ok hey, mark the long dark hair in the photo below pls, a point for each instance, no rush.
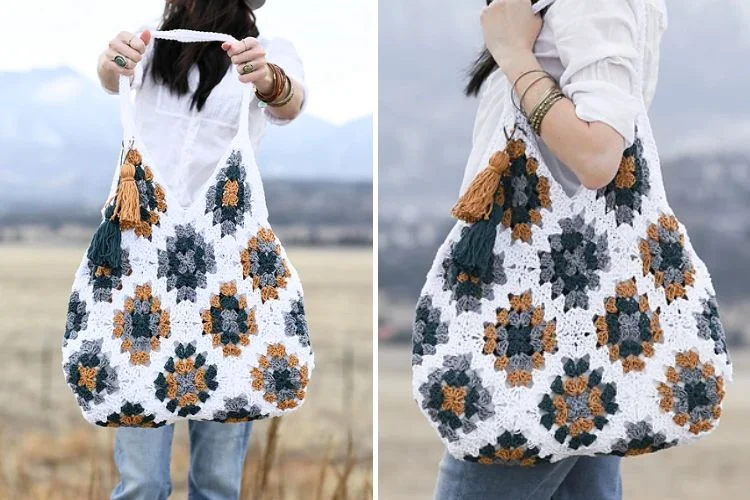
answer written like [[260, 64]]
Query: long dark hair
[[172, 60], [484, 65]]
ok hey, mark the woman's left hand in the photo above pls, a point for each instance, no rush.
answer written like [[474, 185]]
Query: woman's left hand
[[249, 56], [510, 29]]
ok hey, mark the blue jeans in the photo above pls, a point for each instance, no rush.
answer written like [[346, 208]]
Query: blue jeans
[[578, 478], [217, 456]]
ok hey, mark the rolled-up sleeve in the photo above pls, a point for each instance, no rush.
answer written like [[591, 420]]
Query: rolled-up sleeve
[[597, 43], [282, 53]]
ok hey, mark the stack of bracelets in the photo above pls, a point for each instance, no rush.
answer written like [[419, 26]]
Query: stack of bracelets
[[282, 91], [537, 114]]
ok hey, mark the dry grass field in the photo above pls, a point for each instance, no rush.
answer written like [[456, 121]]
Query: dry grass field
[[322, 451], [712, 469]]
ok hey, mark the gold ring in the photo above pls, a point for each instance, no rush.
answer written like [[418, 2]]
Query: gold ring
[[248, 68]]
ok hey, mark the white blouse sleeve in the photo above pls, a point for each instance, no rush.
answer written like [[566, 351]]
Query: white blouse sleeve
[[597, 43], [282, 53]]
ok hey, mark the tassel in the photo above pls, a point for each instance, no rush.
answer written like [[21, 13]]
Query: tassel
[[127, 201], [474, 250], [106, 245], [476, 203]]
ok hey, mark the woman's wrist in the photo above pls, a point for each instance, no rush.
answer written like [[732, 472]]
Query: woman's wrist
[[517, 65], [265, 86]]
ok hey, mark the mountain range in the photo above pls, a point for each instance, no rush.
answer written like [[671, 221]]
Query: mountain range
[[60, 135]]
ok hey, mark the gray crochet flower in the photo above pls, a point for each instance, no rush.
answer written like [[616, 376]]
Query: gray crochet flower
[[467, 289], [104, 280], [624, 195], [229, 198], [90, 375], [238, 409], [295, 322], [640, 439], [455, 399], [186, 262], [428, 330], [710, 327], [574, 261], [77, 318]]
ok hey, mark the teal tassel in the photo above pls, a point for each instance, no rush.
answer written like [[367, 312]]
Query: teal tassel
[[106, 245], [473, 251]]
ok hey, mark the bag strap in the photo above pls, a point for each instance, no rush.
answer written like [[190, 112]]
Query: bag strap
[[127, 109], [540, 5]]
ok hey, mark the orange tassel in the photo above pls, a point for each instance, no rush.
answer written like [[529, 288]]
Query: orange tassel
[[133, 157], [476, 203], [127, 200]]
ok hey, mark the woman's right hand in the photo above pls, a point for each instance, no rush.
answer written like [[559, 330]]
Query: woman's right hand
[[128, 46], [131, 47]]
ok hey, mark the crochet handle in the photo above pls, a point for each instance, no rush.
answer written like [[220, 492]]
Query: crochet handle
[[127, 111], [541, 5]]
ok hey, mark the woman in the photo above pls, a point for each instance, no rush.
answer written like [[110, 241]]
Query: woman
[[188, 101], [589, 49]]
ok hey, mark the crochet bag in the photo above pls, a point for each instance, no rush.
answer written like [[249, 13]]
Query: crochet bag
[[186, 313], [554, 325]]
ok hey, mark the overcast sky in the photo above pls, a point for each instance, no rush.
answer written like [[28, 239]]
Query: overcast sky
[[336, 39]]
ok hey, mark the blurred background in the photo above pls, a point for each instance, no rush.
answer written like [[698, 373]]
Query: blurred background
[[701, 118], [59, 140]]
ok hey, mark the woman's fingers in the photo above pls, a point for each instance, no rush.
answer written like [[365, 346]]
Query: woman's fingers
[[145, 38], [121, 47], [137, 44], [254, 65], [249, 58], [234, 48], [249, 55], [259, 73], [111, 66], [110, 55]]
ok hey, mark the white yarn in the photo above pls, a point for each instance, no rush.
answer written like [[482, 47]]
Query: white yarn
[[450, 334], [279, 320]]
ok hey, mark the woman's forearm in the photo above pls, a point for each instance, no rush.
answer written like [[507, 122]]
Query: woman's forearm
[[592, 150], [291, 109]]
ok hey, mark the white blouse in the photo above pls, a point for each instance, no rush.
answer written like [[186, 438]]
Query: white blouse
[[186, 144], [590, 48]]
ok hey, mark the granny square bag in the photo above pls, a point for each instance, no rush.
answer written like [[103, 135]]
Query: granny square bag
[[553, 325], [186, 313]]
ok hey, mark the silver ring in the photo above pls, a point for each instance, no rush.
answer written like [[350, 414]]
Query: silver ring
[[120, 61], [244, 42]]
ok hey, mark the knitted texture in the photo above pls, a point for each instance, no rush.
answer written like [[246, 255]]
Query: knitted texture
[[590, 328], [204, 319]]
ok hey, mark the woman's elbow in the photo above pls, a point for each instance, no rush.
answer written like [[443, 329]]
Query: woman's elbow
[[598, 170]]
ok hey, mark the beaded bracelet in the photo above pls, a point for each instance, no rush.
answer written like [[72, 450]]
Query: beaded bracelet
[[541, 110], [549, 92]]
